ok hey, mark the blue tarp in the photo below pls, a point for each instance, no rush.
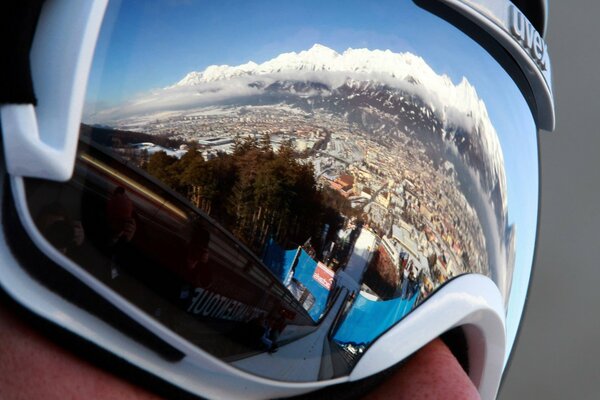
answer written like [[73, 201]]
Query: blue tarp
[[305, 269], [367, 319], [280, 262]]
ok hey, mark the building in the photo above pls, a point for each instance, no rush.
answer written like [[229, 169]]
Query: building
[[343, 184], [406, 237], [215, 141], [366, 193], [384, 198]]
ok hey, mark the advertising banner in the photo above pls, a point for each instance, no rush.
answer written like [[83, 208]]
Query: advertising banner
[[323, 276]]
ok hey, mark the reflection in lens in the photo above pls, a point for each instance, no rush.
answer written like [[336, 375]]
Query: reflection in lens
[[283, 215]]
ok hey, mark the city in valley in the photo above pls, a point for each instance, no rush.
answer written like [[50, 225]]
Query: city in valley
[[320, 197], [422, 225]]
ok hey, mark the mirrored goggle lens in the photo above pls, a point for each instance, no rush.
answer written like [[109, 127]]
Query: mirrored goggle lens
[[281, 184]]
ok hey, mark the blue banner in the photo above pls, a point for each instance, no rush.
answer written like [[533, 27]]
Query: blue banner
[[278, 260], [367, 319], [281, 263], [304, 274]]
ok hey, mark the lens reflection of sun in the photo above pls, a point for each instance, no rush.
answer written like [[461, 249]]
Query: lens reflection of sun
[[133, 185]]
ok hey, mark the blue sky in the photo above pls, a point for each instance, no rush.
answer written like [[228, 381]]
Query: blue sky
[[148, 44], [156, 42]]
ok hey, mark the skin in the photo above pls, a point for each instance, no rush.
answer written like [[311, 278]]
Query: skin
[[432, 373], [32, 367]]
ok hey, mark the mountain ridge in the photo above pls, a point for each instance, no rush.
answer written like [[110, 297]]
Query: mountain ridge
[[308, 79], [456, 104]]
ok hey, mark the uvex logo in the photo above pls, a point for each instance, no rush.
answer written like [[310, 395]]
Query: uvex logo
[[529, 38]]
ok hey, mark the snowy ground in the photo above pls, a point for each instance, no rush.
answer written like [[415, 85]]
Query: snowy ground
[[361, 254], [301, 360], [306, 358]]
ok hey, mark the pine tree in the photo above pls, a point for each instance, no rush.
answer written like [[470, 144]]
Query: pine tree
[[265, 143], [160, 166]]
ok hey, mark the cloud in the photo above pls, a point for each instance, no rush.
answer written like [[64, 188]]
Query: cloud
[[171, 99]]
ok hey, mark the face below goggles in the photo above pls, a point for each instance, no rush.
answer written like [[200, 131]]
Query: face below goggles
[[265, 200]]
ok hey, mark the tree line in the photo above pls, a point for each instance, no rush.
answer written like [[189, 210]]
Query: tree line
[[256, 193], [110, 137]]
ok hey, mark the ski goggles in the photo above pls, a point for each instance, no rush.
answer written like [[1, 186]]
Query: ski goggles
[[265, 199]]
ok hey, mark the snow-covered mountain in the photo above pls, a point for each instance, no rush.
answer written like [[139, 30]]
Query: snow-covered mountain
[[370, 87], [458, 103]]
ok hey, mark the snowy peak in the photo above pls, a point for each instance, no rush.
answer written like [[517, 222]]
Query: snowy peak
[[317, 58], [455, 103], [217, 72], [320, 71]]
